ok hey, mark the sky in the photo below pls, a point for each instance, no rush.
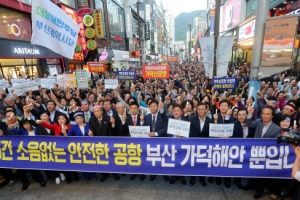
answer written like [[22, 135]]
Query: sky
[[178, 6]]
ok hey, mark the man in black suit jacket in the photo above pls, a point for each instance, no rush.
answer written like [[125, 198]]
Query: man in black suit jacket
[[108, 108], [134, 119], [200, 128], [158, 122], [121, 128], [85, 107]]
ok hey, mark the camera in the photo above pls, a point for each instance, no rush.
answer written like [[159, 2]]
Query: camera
[[289, 137]]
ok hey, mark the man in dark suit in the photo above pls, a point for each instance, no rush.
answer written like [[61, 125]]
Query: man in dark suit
[[158, 122], [121, 128], [134, 119], [108, 108], [101, 125], [264, 128], [223, 117], [200, 128], [85, 108]]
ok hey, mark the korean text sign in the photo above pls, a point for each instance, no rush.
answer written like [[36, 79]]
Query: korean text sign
[[53, 28], [111, 83], [178, 127], [156, 71], [170, 156], [220, 130], [96, 67], [224, 83], [127, 75]]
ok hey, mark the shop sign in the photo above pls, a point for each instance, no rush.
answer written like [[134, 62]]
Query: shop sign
[[96, 67], [103, 56], [91, 45], [155, 71], [83, 4], [98, 25], [231, 14], [71, 12], [89, 33], [88, 20], [80, 14], [247, 30], [147, 31], [172, 59], [128, 23], [26, 51], [147, 12]]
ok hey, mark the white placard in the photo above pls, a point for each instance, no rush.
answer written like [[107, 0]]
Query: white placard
[[48, 83], [19, 80], [178, 127], [82, 79], [220, 130], [3, 83], [111, 83], [21, 88], [53, 28], [139, 131]]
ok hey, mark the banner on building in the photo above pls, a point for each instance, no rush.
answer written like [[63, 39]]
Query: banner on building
[[82, 79], [48, 83], [53, 28], [21, 88], [111, 83], [172, 59], [147, 31], [224, 50], [170, 156], [99, 24], [277, 55], [127, 75], [96, 67], [156, 71], [224, 83], [207, 48], [128, 23]]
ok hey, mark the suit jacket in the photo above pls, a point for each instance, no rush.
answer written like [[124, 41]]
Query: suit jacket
[[41, 130], [71, 115], [129, 120], [272, 132], [161, 123], [120, 129], [113, 110], [195, 127], [106, 127], [23, 131], [238, 131], [221, 121], [76, 131]]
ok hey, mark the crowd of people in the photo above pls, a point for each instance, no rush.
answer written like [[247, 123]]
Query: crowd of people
[[187, 95]]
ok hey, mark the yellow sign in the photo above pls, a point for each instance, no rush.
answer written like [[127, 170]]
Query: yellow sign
[[91, 45], [89, 33], [88, 20], [98, 25]]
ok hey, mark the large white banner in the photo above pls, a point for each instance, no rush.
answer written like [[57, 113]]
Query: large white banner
[[207, 49], [53, 28], [224, 50]]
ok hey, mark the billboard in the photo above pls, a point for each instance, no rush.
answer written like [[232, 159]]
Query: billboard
[[278, 44], [232, 13]]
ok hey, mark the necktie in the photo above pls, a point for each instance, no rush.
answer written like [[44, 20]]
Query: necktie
[[153, 124], [86, 117], [134, 121], [244, 126], [100, 121]]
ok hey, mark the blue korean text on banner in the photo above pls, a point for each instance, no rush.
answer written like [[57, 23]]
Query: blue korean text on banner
[[224, 83], [127, 75], [169, 156]]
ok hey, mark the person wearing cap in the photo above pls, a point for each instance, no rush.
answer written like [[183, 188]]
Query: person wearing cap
[[85, 108], [82, 128]]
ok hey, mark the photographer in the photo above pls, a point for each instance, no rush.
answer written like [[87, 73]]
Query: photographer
[[296, 166]]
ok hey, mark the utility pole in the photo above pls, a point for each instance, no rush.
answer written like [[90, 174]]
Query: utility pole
[[216, 34]]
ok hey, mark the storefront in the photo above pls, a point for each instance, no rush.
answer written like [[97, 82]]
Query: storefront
[[121, 59], [17, 57]]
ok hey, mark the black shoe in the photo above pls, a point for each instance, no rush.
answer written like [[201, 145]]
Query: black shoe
[[132, 177], [24, 187], [247, 187], [173, 179], [68, 180], [142, 177], [152, 177], [76, 178], [257, 195], [117, 177], [166, 178], [103, 178], [211, 179], [227, 184], [182, 180], [43, 184], [203, 182], [192, 180], [218, 181], [123, 174], [238, 185]]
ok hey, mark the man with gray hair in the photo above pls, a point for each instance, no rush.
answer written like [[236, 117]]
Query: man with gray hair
[[15, 103]]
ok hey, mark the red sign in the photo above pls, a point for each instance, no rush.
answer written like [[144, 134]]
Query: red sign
[[96, 67], [156, 71], [71, 12], [172, 59], [81, 12]]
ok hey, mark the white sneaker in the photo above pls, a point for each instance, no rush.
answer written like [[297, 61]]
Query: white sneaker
[[57, 180], [62, 176]]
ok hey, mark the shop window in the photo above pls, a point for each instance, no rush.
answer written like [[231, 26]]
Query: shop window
[[32, 61], [21, 68], [14, 25], [9, 72], [4, 62]]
